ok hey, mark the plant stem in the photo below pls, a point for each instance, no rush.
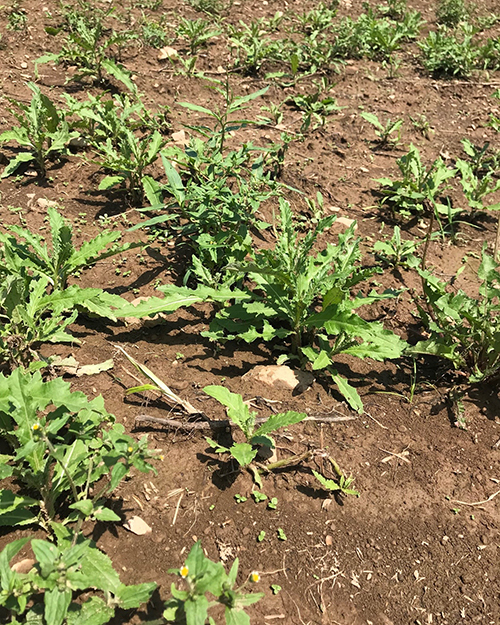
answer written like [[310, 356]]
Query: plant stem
[[497, 241], [286, 462]]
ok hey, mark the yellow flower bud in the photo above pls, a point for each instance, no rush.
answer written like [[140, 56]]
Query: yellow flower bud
[[184, 571]]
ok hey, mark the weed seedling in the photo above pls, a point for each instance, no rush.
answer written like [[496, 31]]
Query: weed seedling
[[342, 485], [464, 330], [451, 12], [396, 251], [451, 54], [258, 496], [239, 413], [384, 133], [61, 260], [197, 33]]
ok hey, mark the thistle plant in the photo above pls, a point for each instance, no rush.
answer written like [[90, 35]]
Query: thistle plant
[[128, 159], [384, 133], [42, 129], [60, 260], [464, 330], [87, 47], [244, 419]]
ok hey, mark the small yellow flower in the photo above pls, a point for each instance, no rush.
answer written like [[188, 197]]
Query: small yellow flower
[[36, 427], [184, 572], [130, 449], [254, 577]]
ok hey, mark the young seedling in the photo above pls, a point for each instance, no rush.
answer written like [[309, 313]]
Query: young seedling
[[252, 46], [342, 485], [315, 107], [476, 188], [396, 251], [451, 54], [258, 496], [128, 159], [384, 133], [239, 413], [197, 33], [463, 329], [418, 187], [222, 116], [87, 48]]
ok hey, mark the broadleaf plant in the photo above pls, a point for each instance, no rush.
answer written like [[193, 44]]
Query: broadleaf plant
[[464, 329], [60, 448], [61, 259], [290, 284], [245, 419], [202, 577], [43, 132], [48, 594]]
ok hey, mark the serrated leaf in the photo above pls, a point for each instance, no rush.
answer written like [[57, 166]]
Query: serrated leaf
[[134, 596], [348, 391], [237, 410], [97, 566], [56, 605], [331, 485], [243, 453], [23, 157], [119, 72], [93, 611], [110, 181], [277, 421]]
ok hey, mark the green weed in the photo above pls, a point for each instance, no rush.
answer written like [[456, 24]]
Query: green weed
[[463, 329], [197, 33], [417, 185], [58, 262], [203, 577], [43, 130], [384, 133], [396, 251], [60, 447], [239, 413], [452, 12], [451, 54], [87, 47], [50, 592]]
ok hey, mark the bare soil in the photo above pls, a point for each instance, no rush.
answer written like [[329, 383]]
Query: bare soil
[[417, 546]]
